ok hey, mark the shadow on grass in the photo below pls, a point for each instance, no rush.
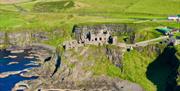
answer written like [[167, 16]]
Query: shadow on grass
[[163, 70]]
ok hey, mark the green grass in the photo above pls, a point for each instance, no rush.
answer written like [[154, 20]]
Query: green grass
[[10, 21], [106, 7], [13, 21], [80, 11], [54, 6], [167, 7], [14, 1], [135, 65], [101, 64]]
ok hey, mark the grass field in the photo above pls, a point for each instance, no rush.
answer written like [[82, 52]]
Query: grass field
[[47, 15], [80, 11]]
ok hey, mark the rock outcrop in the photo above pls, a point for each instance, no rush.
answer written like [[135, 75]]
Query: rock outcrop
[[22, 38], [77, 72], [113, 29], [115, 55]]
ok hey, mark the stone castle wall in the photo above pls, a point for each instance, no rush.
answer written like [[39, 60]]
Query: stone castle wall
[[103, 37]]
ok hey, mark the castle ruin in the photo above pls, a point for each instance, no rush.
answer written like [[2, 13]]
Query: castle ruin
[[100, 38]]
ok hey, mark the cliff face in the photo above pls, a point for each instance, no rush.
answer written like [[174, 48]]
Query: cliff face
[[163, 70], [19, 39], [127, 32], [113, 29], [88, 68], [98, 68], [22, 39], [178, 57], [93, 67], [101, 68], [115, 55]]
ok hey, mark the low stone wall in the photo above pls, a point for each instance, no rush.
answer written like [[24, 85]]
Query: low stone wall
[[75, 44], [71, 44]]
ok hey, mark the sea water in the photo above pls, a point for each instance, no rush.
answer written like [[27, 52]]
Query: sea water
[[20, 63]]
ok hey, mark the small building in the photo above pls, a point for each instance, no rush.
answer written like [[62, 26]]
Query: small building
[[164, 30], [174, 18]]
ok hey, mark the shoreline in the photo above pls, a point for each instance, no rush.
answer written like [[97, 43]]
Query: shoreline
[[9, 73], [35, 55]]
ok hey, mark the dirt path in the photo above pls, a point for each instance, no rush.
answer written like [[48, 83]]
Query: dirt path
[[12, 1], [147, 42]]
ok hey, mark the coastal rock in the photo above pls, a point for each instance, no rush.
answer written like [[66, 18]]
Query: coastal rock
[[115, 56], [111, 84], [17, 51], [29, 57], [73, 74], [1, 37], [113, 29], [22, 39], [13, 63], [12, 56], [21, 86], [6, 74]]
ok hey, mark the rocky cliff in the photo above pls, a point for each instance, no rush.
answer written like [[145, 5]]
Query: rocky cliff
[[178, 57], [23, 38], [100, 68], [126, 32], [94, 67], [87, 68], [113, 29]]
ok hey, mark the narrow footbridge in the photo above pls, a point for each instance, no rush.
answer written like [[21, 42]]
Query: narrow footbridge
[[147, 42]]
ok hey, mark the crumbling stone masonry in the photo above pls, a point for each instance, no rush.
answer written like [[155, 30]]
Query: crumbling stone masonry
[[71, 44], [100, 38]]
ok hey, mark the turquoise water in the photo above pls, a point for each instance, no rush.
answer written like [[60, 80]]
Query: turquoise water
[[6, 84]]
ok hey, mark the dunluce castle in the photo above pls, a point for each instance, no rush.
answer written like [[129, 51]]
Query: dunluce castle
[[99, 38], [100, 35]]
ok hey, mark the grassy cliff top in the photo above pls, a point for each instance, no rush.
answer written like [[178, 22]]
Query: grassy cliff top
[[44, 14], [49, 15]]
